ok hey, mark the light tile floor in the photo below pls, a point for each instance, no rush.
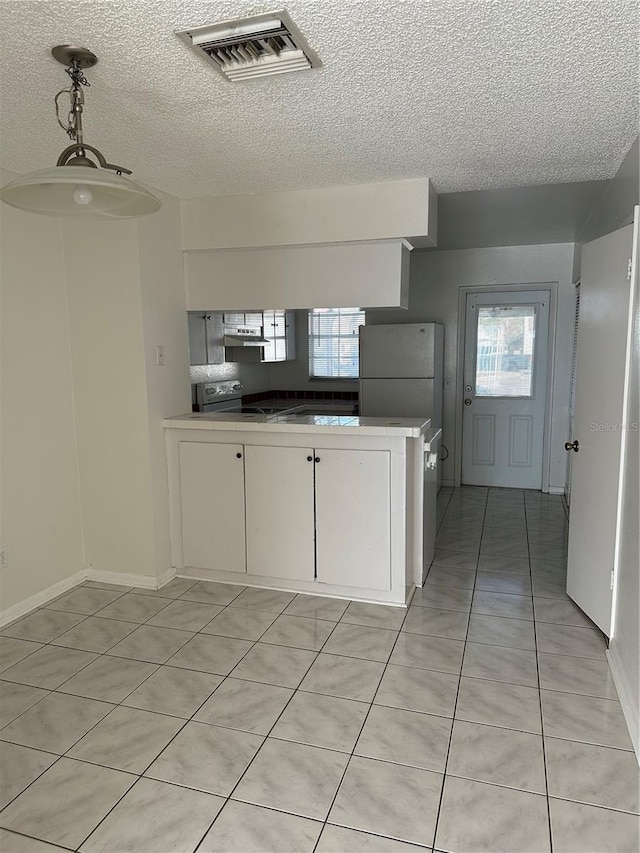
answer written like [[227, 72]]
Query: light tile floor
[[230, 720]]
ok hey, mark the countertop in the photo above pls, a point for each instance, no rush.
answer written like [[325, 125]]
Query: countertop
[[338, 424]]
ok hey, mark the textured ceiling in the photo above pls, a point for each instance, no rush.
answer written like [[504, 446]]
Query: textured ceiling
[[473, 93]]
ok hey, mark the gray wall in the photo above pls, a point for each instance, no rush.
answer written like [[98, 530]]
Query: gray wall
[[433, 296], [615, 207], [294, 375]]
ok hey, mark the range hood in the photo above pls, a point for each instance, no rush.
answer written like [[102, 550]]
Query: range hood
[[244, 336]]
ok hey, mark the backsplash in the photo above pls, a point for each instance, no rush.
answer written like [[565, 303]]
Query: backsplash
[[254, 377], [334, 396]]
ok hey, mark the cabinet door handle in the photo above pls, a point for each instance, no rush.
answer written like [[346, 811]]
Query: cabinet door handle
[[309, 458], [239, 455], [317, 458]]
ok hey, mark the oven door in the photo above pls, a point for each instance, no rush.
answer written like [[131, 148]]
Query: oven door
[[223, 406]]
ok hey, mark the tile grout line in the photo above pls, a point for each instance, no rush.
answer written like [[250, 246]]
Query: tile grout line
[[118, 705], [267, 629], [455, 704], [190, 720], [265, 737], [355, 743], [295, 690], [535, 641]]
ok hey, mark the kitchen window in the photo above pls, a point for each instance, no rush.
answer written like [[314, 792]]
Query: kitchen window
[[333, 342]]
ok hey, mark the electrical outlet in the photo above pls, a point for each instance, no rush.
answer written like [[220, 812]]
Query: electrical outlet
[[160, 356], [4, 557]]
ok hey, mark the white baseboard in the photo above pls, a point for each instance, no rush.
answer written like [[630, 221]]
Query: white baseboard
[[627, 700], [39, 598], [124, 578], [557, 490], [163, 579], [44, 596]]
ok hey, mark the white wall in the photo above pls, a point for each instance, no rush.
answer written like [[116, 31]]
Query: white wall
[[105, 315], [40, 522], [126, 297], [433, 296], [84, 481], [164, 323]]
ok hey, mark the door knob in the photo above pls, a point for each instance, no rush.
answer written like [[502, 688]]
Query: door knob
[[239, 455], [309, 458], [317, 459], [467, 402], [572, 445]]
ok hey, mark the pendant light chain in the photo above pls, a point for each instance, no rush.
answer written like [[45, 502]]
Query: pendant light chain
[[82, 184], [73, 127]]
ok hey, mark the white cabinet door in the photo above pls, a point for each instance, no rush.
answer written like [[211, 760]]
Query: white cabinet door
[[280, 529], [353, 518], [197, 337], [205, 338], [290, 335], [212, 500]]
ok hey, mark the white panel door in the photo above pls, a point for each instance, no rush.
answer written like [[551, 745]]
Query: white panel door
[[505, 380], [280, 526], [353, 520], [212, 502], [597, 426]]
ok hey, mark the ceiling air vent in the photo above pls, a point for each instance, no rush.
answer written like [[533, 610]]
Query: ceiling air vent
[[257, 46]]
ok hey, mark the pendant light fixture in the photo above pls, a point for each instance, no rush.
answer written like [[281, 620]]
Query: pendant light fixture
[[82, 183]]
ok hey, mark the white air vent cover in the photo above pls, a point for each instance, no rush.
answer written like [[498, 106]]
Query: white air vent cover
[[253, 47]]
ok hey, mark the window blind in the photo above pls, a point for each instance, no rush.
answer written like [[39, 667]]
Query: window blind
[[333, 342]]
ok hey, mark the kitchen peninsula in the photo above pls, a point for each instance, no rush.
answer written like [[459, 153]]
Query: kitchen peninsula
[[330, 505]]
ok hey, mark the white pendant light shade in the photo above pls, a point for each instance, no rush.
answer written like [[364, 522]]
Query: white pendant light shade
[[79, 191]]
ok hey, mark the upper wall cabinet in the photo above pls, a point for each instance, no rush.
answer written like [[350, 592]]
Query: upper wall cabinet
[[205, 338], [242, 319], [337, 275], [278, 327]]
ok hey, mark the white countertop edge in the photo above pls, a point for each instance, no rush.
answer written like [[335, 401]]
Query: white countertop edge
[[349, 425]]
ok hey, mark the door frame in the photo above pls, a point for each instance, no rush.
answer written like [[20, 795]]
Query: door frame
[[463, 292]]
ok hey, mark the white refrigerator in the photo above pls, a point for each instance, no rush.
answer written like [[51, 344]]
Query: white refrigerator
[[401, 371]]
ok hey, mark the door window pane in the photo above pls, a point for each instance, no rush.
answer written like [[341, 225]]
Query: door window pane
[[505, 351]]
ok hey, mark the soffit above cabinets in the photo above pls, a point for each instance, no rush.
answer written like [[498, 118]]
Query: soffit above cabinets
[[387, 210], [473, 94], [374, 274]]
